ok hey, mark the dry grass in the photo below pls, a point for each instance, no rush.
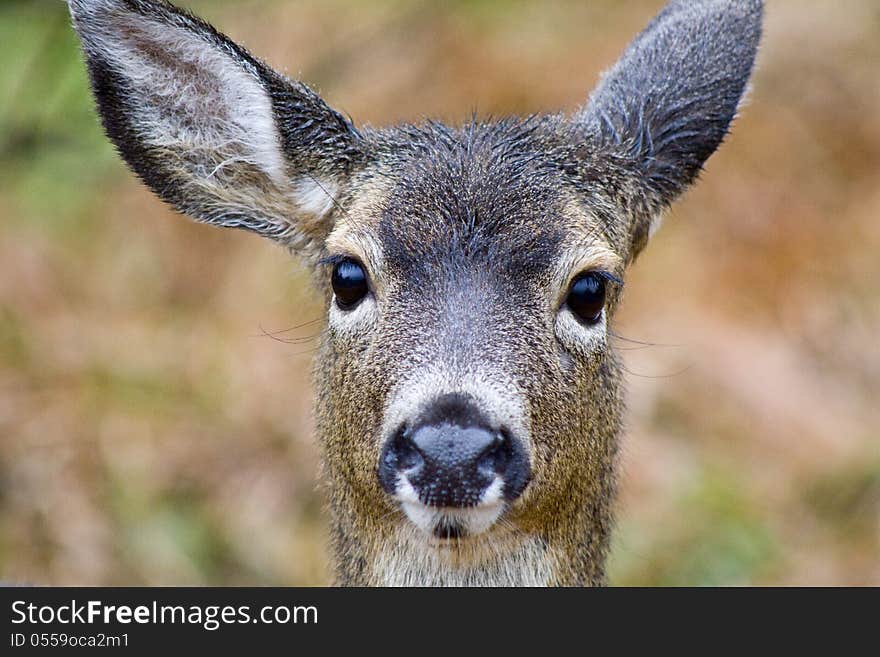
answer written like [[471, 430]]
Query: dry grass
[[149, 434]]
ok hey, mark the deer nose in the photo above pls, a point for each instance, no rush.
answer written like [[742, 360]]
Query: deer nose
[[455, 461]]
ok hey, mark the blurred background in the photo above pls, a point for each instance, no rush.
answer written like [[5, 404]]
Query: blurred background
[[150, 433]]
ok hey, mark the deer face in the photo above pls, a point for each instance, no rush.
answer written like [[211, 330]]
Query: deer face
[[465, 383], [469, 298]]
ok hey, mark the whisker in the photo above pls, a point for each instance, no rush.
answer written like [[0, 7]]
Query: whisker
[[638, 347], [292, 328], [274, 336], [642, 342]]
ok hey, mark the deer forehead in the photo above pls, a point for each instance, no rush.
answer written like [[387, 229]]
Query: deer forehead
[[450, 209]]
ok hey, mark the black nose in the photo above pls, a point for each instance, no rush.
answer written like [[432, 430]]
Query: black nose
[[451, 456]]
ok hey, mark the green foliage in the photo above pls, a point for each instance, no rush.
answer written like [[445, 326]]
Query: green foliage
[[53, 155], [717, 536]]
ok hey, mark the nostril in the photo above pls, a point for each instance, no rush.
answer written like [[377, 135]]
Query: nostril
[[496, 455], [400, 455], [403, 454]]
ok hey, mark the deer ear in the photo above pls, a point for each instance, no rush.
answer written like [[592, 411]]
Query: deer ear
[[666, 105], [209, 128]]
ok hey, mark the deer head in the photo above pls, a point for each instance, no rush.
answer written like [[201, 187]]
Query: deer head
[[468, 400]]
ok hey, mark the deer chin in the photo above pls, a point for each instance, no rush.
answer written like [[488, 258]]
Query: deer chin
[[451, 524], [446, 525]]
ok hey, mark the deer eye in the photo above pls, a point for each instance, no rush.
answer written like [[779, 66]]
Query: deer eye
[[349, 283], [586, 296]]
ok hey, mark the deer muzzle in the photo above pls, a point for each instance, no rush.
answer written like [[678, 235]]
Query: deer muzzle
[[453, 471]]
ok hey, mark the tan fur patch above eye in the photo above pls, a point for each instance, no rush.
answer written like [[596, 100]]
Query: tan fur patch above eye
[[597, 256], [589, 251], [354, 231]]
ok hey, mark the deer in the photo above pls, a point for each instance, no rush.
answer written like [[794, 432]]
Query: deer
[[469, 402]]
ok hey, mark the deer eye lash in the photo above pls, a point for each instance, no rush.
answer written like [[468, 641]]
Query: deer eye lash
[[608, 276], [334, 259]]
